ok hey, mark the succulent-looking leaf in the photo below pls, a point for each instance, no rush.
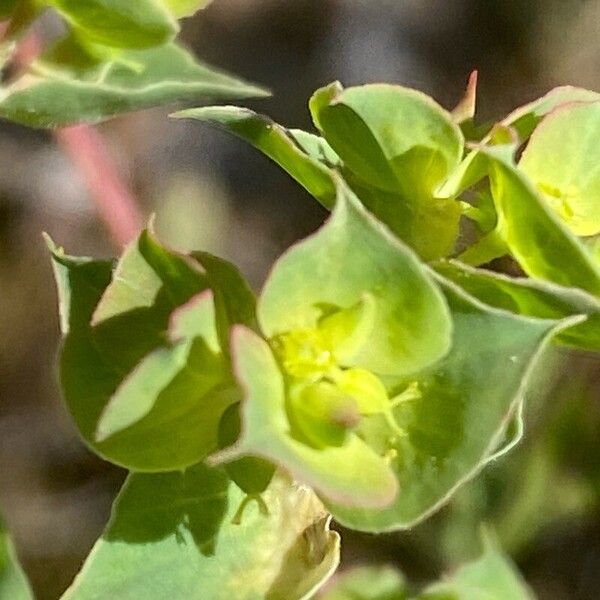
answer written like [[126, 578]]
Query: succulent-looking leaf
[[185, 8], [491, 577], [13, 582], [535, 236], [171, 536], [562, 159], [367, 583], [330, 470], [278, 143], [393, 138], [139, 24], [145, 379], [532, 298], [353, 254], [460, 416], [68, 85]]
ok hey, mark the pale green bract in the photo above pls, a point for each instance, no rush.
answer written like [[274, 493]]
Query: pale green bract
[[172, 535], [150, 343], [532, 231], [562, 159], [533, 298]]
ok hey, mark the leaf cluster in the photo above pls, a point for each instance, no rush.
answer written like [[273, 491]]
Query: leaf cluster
[[379, 368], [114, 57]]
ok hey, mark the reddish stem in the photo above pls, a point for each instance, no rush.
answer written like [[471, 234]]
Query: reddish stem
[[114, 201], [87, 149]]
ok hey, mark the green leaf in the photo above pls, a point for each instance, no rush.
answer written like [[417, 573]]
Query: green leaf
[[278, 143], [368, 583], [67, 85], [146, 270], [168, 408], [562, 160], [523, 122], [459, 418], [526, 118], [532, 298], [430, 226], [172, 536], [542, 244], [332, 471], [139, 24], [350, 256], [491, 577], [393, 138], [185, 8], [142, 371], [13, 582]]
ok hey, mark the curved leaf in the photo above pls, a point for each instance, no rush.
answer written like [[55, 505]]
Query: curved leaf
[[67, 85], [536, 237], [351, 255], [532, 298], [276, 142], [139, 24], [393, 138], [465, 405], [523, 122], [526, 118], [172, 536], [167, 410], [562, 159], [142, 370]]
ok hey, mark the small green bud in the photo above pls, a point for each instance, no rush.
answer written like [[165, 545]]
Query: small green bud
[[322, 413]]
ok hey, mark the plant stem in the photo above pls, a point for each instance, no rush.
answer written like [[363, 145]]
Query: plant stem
[[116, 206], [114, 201]]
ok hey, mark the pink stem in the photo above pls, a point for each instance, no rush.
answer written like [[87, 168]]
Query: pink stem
[[114, 201], [87, 150]]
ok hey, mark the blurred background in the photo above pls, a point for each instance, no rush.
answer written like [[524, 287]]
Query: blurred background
[[213, 192]]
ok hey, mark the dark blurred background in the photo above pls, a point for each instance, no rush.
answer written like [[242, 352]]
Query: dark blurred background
[[213, 192]]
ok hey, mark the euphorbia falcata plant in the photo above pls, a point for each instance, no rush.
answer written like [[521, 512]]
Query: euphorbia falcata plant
[[379, 368]]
